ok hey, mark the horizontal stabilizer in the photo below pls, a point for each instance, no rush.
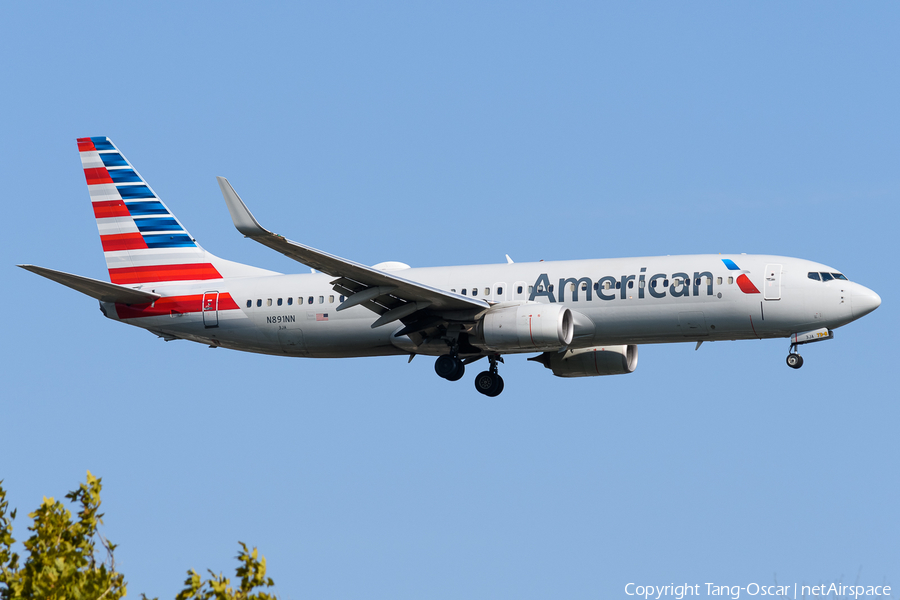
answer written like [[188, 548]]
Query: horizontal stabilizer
[[101, 290]]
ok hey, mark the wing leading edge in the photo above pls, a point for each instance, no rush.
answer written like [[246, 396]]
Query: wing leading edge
[[392, 297]]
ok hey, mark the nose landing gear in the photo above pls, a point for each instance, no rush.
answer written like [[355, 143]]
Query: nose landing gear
[[794, 360]]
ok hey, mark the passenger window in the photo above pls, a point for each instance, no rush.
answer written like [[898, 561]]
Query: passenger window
[[279, 302], [827, 277], [487, 291], [342, 297], [618, 285], [474, 291], [551, 287], [249, 303], [300, 300], [530, 289], [698, 281], [259, 302], [665, 283], [719, 280], [331, 299], [839, 276], [571, 287], [730, 280], [519, 290], [499, 291], [290, 301], [584, 287], [630, 285], [541, 288], [269, 302], [813, 275], [310, 301], [606, 285], [464, 291], [641, 284], [653, 283], [321, 299], [453, 290]]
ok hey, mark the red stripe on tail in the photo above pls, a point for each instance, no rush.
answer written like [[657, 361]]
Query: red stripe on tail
[[85, 144], [188, 272], [97, 175], [123, 241], [110, 208]]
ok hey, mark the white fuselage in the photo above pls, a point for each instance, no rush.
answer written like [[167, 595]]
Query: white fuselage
[[615, 301]]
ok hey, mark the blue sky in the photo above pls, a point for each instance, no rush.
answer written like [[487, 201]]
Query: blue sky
[[453, 133]]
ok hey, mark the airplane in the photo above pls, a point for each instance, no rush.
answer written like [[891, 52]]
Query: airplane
[[582, 318]]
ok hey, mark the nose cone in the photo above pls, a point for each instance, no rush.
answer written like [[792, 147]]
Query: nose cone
[[863, 301]]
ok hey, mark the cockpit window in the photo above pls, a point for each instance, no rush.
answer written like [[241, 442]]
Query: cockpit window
[[827, 277], [839, 276], [813, 275]]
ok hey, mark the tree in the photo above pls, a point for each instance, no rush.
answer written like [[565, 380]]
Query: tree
[[62, 561]]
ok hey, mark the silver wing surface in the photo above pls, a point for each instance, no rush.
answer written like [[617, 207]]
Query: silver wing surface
[[392, 297]]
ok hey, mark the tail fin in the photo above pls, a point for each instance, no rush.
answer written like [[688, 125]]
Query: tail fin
[[142, 240]]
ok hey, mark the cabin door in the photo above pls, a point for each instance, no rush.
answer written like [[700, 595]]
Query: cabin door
[[773, 282], [210, 309]]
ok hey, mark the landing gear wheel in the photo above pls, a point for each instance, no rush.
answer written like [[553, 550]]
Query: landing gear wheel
[[449, 367], [794, 361], [460, 371], [489, 384]]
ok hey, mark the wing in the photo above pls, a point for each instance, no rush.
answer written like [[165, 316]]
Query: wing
[[101, 290], [392, 297]]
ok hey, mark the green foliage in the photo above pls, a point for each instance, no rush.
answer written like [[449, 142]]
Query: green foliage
[[252, 573], [61, 561]]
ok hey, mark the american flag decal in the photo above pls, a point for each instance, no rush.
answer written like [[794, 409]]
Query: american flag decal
[[321, 316]]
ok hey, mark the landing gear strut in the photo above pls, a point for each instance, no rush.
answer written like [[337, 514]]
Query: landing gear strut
[[489, 382], [794, 360]]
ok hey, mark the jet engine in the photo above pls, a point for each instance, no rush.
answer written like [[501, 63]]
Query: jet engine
[[591, 362], [525, 327]]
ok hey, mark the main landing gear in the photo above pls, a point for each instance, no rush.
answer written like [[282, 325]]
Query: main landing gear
[[794, 360], [489, 382], [452, 368]]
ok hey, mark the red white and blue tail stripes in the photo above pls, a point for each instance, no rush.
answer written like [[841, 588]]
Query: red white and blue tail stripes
[[142, 240]]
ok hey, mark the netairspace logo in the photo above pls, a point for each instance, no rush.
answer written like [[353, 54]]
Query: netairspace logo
[[833, 590]]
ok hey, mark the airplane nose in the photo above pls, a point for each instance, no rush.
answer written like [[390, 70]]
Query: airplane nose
[[863, 301]]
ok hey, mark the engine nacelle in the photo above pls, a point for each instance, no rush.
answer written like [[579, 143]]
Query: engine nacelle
[[526, 328], [591, 362]]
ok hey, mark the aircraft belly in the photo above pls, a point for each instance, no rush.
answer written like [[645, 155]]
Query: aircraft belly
[[679, 321]]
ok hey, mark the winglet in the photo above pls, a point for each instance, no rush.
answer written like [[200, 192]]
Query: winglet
[[240, 214]]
